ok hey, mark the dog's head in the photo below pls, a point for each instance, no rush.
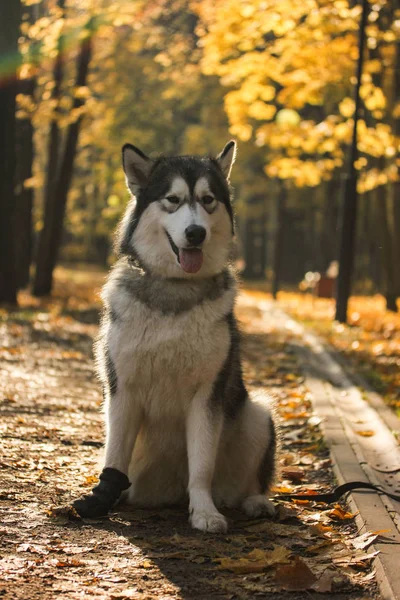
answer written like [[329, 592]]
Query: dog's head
[[179, 222]]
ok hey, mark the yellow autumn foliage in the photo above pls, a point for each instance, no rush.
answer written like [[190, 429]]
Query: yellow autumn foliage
[[275, 55]]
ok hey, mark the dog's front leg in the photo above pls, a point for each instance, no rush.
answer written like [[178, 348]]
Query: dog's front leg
[[122, 427], [203, 432]]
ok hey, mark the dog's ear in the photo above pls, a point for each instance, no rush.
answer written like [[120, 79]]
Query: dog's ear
[[227, 158], [137, 167]]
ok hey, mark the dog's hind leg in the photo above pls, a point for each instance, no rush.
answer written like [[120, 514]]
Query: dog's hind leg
[[246, 460], [256, 503], [203, 432]]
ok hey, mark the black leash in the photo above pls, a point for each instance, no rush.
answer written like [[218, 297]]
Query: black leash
[[337, 493]]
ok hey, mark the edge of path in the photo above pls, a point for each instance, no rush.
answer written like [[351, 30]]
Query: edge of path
[[361, 443]]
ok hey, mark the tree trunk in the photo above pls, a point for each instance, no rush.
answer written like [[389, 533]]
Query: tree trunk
[[387, 248], [53, 151], [24, 196], [396, 185], [51, 234], [349, 207], [9, 34], [25, 153], [279, 241]]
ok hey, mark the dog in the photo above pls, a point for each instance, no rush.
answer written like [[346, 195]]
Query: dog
[[180, 424]]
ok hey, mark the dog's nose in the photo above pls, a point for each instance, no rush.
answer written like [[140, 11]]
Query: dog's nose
[[195, 234]]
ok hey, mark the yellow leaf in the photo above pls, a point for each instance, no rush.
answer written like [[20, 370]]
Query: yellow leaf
[[339, 513], [256, 561], [347, 107]]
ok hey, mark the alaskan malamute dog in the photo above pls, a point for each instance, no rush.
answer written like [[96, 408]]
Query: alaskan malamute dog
[[180, 425]]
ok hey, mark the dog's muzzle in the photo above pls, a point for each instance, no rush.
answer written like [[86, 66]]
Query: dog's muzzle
[[190, 259]]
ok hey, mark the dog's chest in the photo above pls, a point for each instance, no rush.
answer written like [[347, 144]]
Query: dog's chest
[[166, 358]]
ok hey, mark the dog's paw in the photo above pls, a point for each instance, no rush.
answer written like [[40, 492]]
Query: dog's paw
[[91, 506], [213, 522], [104, 495], [258, 505]]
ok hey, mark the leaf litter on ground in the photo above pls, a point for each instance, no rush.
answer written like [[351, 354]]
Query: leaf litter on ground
[[53, 434], [370, 342]]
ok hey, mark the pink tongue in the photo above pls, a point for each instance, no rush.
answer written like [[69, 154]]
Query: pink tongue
[[191, 260]]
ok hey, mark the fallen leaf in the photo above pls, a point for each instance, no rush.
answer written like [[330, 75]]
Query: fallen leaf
[[133, 593], [314, 421], [146, 564], [295, 434], [358, 559], [91, 480], [321, 529], [307, 459], [33, 548], [63, 513], [256, 561], [296, 576], [293, 474], [340, 514], [281, 489], [324, 583], [62, 564], [76, 549], [300, 415], [363, 541], [366, 433]]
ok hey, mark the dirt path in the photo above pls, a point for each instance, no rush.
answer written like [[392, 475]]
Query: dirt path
[[52, 435]]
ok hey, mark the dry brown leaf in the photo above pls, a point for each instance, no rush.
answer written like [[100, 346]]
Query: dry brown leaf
[[293, 474], [63, 513], [357, 559], [296, 576], [76, 549], [321, 529], [133, 593], [32, 548], [324, 583], [62, 564]]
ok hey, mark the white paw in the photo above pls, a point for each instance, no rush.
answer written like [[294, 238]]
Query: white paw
[[255, 506], [213, 522]]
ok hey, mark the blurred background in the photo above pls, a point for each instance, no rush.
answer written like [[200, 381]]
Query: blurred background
[[83, 77]]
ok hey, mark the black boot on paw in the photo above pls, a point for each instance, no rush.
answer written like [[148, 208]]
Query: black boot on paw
[[103, 497]]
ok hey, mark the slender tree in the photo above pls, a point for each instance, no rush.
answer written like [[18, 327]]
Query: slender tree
[[58, 187], [25, 153], [9, 33], [279, 240], [349, 211]]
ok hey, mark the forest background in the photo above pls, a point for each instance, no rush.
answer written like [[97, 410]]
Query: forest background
[[183, 76]]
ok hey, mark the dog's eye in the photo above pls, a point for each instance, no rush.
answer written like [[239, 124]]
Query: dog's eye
[[208, 199], [173, 199]]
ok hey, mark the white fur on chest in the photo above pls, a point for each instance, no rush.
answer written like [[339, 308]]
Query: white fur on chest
[[164, 359]]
